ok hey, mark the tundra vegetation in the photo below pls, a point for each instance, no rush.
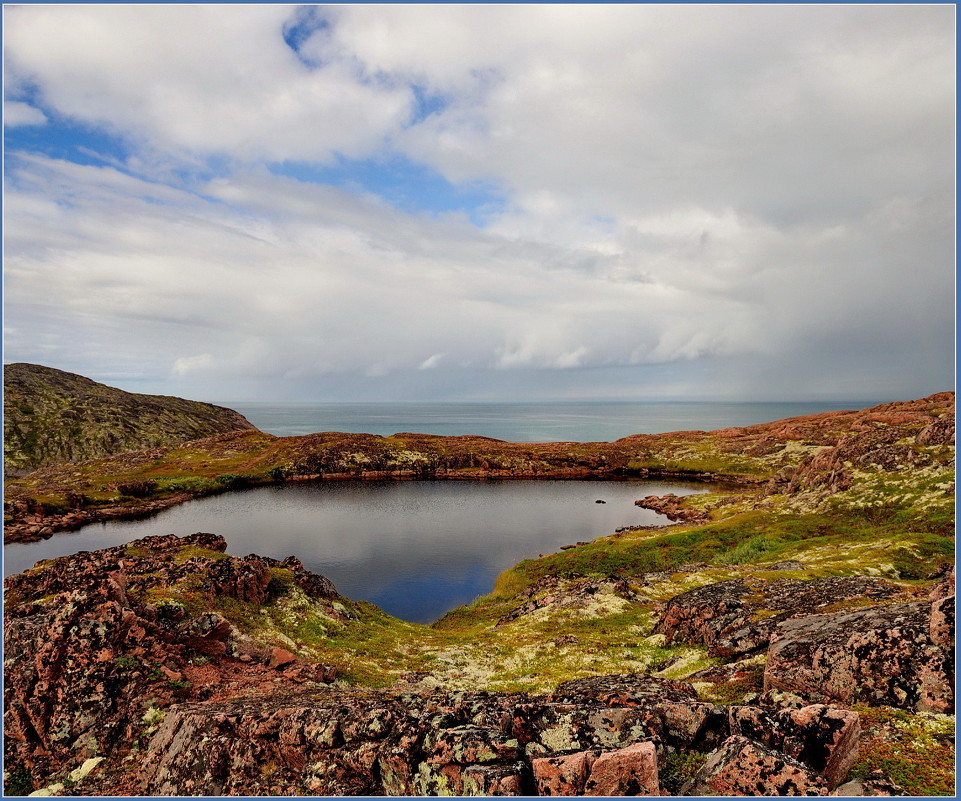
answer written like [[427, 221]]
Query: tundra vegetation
[[848, 516]]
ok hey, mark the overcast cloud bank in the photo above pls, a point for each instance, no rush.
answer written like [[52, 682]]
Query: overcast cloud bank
[[735, 202]]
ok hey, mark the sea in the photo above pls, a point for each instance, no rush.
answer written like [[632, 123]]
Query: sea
[[556, 421]]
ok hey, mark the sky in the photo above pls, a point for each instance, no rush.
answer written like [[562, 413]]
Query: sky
[[483, 202]]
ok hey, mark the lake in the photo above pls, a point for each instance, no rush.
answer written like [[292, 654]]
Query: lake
[[415, 548]]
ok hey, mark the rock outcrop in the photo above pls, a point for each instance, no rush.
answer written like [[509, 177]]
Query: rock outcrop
[[736, 618], [102, 660], [882, 655], [92, 642], [601, 736], [671, 506]]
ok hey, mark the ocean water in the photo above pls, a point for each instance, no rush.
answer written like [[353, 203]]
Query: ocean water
[[522, 422], [417, 549]]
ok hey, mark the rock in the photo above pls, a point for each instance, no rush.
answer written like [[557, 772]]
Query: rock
[[939, 432], [280, 658], [85, 650], [563, 775], [735, 618], [875, 783], [627, 771], [671, 507], [495, 780], [787, 564], [824, 739], [882, 655], [565, 593], [744, 767]]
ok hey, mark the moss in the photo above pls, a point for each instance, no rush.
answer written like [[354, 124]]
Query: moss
[[195, 551], [17, 781], [748, 680], [915, 751], [677, 768]]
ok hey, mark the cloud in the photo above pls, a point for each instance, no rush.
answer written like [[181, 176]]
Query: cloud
[[430, 362], [16, 114], [198, 80], [192, 364], [761, 196]]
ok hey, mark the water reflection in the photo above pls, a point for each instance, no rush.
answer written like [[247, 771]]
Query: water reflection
[[416, 549]]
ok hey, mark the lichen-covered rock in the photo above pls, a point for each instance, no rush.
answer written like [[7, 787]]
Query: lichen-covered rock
[[882, 655], [627, 771], [89, 644], [746, 767], [672, 507], [563, 775], [875, 783], [736, 618], [572, 592], [823, 738]]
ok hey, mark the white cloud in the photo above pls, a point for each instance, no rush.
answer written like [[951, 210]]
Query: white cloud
[[16, 114], [431, 362], [192, 364], [198, 79], [770, 185]]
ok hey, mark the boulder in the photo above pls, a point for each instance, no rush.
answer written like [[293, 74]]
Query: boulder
[[823, 738], [745, 767], [882, 655], [626, 771], [736, 618]]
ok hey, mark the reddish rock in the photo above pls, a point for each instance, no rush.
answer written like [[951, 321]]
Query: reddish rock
[[87, 652], [280, 657], [495, 780], [725, 618], [563, 775], [671, 507], [882, 655], [823, 738], [627, 771], [745, 767]]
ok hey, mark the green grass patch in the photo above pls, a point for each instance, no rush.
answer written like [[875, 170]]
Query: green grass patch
[[915, 751]]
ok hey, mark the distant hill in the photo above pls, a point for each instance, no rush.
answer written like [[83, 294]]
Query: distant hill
[[51, 416]]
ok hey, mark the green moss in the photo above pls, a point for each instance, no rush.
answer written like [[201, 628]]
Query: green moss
[[17, 781], [915, 751], [195, 551], [678, 767]]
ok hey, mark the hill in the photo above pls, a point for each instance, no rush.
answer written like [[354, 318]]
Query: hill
[[52, 416]]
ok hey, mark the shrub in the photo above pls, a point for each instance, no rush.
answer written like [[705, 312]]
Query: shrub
[[233, 480], [137, 489]]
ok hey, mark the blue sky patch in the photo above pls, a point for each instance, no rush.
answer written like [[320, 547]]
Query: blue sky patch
[[405, 185], [62, 138], [307, 21], [427, 103]]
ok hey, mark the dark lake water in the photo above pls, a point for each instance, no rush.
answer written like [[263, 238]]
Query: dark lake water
[[415, 548]]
